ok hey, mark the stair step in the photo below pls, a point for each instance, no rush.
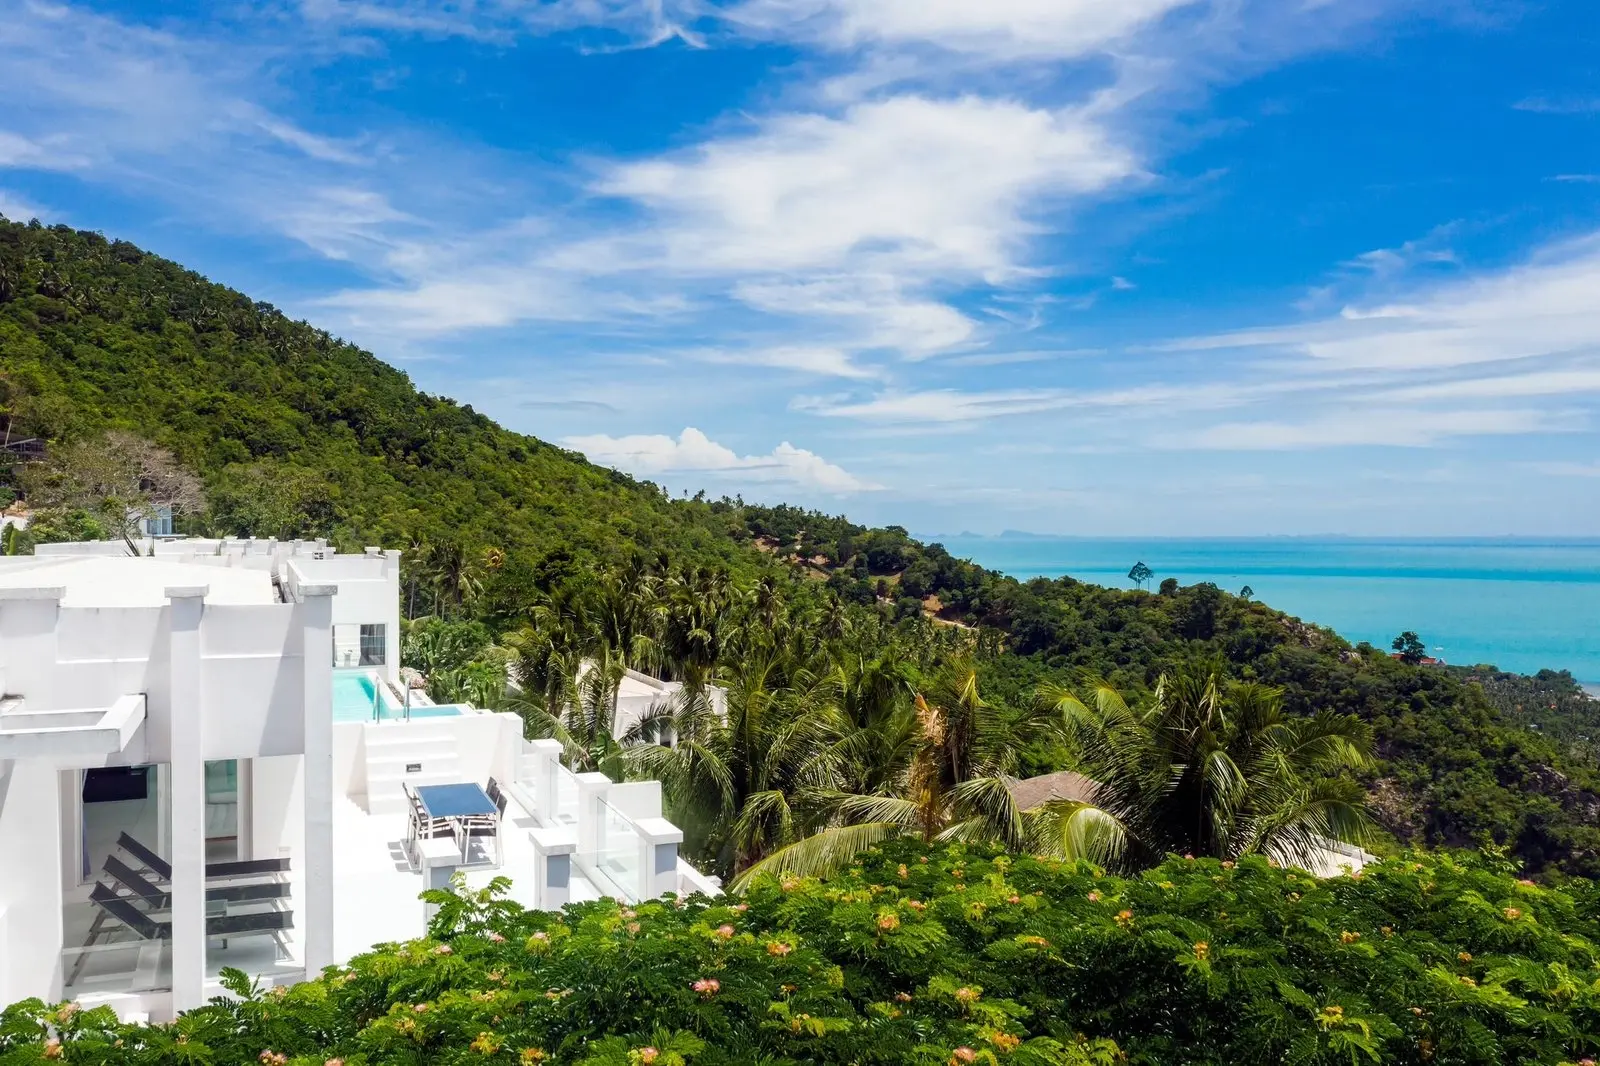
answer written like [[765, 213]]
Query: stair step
[[438, 768], [380, 739]]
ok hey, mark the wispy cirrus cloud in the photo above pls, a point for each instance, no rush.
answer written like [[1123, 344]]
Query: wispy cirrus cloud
[[1367, 427], [997, 29], [1560, 105], [692, 452]]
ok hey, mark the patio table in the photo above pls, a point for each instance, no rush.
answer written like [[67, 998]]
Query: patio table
[[456, 803]]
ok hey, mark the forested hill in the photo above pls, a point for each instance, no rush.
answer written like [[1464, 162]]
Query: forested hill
[[298, 433], [294, 430]]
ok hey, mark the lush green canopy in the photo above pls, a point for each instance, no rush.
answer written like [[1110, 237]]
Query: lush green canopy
[[939, 956]]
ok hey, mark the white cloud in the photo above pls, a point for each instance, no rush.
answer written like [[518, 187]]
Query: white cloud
[[882, 314], [1365, 427], [1560, 105], [1564, 382], [925, 185], [1002, 29], [1568, 469], [822, 361], [1541, 307], [643, 22], [18, 209], [693, 452], [19, 151]]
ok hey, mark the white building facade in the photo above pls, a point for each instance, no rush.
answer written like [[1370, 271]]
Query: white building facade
[[203, 761]]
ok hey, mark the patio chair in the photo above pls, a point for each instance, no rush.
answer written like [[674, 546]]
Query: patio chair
[[484, 827], [421, 827]]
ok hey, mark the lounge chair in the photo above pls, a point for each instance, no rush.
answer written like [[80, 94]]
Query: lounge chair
[[121, 912], [161, 899], [161, 870]]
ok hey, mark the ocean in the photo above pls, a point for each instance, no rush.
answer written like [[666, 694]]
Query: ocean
[[1521, 604]]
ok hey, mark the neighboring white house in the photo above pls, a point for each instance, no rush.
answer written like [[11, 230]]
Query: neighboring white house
[[202, 753]]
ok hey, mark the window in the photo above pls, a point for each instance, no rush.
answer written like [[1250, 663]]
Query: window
[[373, 645]]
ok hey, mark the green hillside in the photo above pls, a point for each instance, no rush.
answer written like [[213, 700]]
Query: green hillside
[[296, 432]]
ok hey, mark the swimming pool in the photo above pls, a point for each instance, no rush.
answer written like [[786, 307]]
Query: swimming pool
[[356, 693]]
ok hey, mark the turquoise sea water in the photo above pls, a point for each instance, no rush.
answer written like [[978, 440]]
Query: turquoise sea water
[[1520, 604]]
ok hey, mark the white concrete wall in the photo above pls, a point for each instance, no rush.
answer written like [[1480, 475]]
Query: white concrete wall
[[636, 799], [349, 759], [253, 680], [277, 818], [30, 882], [487, 745], [369, 594]]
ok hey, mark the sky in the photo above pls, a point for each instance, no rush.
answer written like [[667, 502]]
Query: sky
[[1095, 267]]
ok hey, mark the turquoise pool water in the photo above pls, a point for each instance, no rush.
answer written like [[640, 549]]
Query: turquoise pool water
[[354, 696]]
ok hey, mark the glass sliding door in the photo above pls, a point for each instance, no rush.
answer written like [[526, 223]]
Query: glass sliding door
[[222, 810]]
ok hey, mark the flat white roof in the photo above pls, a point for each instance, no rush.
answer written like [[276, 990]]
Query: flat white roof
[[108, 581]]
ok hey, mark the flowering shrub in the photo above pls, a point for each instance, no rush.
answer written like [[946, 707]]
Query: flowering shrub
[[1425, 959]]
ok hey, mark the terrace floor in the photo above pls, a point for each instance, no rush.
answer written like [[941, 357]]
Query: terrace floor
[[376, 900]]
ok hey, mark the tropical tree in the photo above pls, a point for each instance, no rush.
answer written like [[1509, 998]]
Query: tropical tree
[[1203, 768], [951, 781], [1140, 573], [455, 573], [584, 720], [1410, 648], [743, 755], [120, 479]]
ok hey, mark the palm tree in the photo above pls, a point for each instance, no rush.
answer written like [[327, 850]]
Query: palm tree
[[960, 755], [741, 759], [455, 572], [1204, 768], [584, 720]]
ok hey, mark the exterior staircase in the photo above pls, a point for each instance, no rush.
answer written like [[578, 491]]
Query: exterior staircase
[[417, 752]]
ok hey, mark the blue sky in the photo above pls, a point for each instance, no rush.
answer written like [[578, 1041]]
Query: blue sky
[[1074, 266]]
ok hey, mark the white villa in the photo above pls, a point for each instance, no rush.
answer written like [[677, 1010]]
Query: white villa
[[206, 760]]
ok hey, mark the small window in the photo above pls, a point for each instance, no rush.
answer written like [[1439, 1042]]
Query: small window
[[373, 645]]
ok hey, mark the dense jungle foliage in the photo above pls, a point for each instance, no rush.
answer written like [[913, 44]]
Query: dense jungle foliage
[[936, 956], [532, 549]]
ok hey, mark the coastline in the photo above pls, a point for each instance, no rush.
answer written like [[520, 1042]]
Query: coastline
[[1522, 604]]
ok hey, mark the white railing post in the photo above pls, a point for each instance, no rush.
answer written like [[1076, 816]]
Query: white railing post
[[552, 869], [592, 789], [659, 863], [546, 760]]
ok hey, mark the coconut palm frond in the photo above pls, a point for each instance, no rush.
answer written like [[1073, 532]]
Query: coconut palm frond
[[821, 853]]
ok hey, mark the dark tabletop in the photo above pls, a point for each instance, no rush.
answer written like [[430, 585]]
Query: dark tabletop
[[455, 801]]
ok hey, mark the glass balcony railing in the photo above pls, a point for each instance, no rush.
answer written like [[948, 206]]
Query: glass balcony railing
[[565, 797], [617, 863]]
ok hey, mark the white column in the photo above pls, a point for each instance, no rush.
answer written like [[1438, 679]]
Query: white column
[[187, 789], [316, 908], [391, 632], [660, 859]]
